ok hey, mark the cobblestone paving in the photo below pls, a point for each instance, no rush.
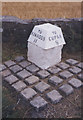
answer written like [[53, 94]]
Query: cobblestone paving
[[42, 87]]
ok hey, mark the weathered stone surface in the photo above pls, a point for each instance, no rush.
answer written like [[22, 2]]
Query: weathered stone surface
[[54, 96], [80, 76], [71, 61], [63, 65], [23, 74], [24, 63], [28, 93], [42, 86], [32, 68], [15, 68], [11, 79], [9, 63], [80, 65], [55, 80], [65, 74], [75, 70], [2, 67], [43, 74], [75, 83], [32, 79], [18, 86], [38, 103], [6, 73], [66, 89], [54, 70], [19, 58]]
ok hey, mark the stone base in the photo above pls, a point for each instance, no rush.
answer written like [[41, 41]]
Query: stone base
[[44, 58]]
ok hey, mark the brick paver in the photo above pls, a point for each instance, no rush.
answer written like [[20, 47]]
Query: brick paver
[[28, 93], [23, 74], [19, 58], [43, 74], [80, 65], [9, 63], [15, 68], [2, 67], [42, 86], [32, 68], [54, 96], [80, 76], [32, 79], [54, 70], [38, 103], [24, 64], [65, 74], [75, 83], [63, 65], [11, 79], [66, 89], [55, 80], [75, 70], [71, 61], [6, 73]]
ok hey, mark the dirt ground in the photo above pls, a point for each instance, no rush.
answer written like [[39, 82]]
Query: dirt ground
[[14, 107]]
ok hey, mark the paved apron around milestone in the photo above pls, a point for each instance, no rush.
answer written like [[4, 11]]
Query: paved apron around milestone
[[42, 87]]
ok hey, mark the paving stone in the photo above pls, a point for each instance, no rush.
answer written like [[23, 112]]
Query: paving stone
[[42, 86], [55, 80], [11, 79], [43, 74], [2, 67], [18, 86], [63, 65], [54, 96], [71, 61], [54, 70], [38, 103], [75, 83], [9, 63], [80, 76], [65, 74], [66, 89], [23, 74], [28, 93], [32, 68], [24, 64], [19, 58], [32, 79], [80, 65], [75, 70], [6, 73], [15, 68]]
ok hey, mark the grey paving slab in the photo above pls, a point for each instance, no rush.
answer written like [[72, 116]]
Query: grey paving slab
[[72, 61], [65, 74], [23, 74], [38, 103], [2, 67], [63, 65], [41, 86], [54, 96], [80, 65], [80, 76], [32, 79], [28, 93], [75, 83], [11, 79], [55, 80], [54, 70], [32, 68], [43, 74], [9, 63], [24, 64], [66, 89], [19, 86], [75, 70], [15, 68], [6, 73], [19, 58]]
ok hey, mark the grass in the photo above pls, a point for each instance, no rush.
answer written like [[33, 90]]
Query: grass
[[29, 10]]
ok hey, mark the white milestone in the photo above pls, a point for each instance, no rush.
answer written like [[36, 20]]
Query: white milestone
[[45, 45]]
